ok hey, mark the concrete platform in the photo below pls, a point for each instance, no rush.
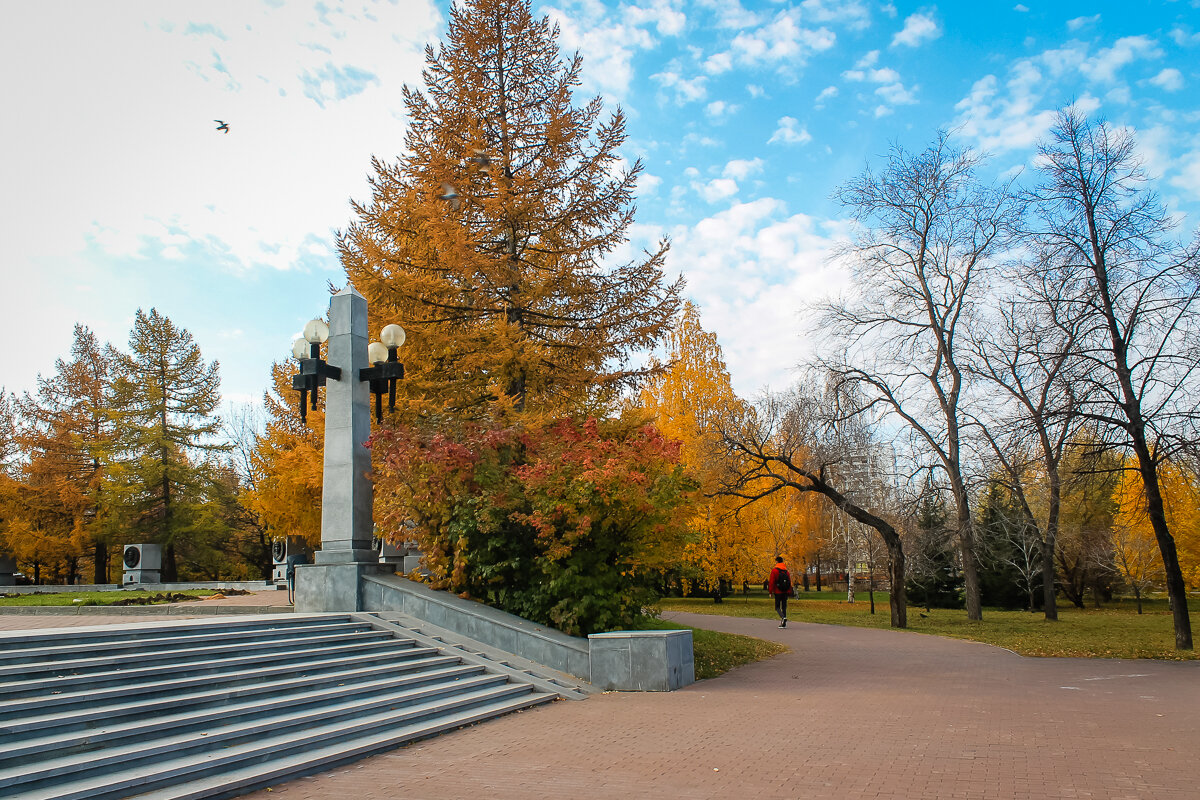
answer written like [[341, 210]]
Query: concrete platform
[[850, 713]]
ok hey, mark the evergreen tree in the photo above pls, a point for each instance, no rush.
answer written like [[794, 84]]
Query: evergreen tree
[[934, 580], [492, 239], [165, 400], [1009, 553], [66, 434]]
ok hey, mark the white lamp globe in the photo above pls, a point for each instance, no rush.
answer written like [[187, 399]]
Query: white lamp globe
[[377, 352], [392, 335], [300, 348], [316, 331]]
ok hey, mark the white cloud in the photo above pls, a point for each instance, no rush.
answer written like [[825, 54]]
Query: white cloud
[[1082, 22], [918, 28], [790, 132], [146, 169], [718, 63], [665, 15], [890, 89], [730, 14], [755, 90], [895, 94], [1110, 60], [854, 14], [1184, 36], [1014, 114], [1022, 8], [828, 93], [781, 40], [686, 90], [1188, 176], [608, 42], [752, 268], [1169, 79], [648, 184], [741, 168], [718, 189], [719, 109]]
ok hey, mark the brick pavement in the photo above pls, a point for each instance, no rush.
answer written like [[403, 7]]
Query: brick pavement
[[850, 713]]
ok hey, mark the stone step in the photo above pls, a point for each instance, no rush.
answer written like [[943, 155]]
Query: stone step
[[212, 652], [68, 653], [119, 713], [313, 744], [16, 640], [183, 711], [57, 694], [46, 685], [176, 733]]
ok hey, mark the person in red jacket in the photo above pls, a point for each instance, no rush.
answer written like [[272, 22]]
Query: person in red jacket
[[780, 586]]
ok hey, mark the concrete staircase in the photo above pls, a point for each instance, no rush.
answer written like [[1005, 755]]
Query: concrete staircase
[[216, 708]]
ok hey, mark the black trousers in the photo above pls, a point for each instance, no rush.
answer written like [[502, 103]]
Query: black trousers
[[781, 605]]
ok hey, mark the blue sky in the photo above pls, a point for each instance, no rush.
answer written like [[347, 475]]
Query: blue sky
[[118, 192]]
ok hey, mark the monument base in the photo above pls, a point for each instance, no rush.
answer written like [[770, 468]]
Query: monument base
[[325, 588]]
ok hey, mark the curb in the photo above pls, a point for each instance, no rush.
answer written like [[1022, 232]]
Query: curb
[[134, 611]]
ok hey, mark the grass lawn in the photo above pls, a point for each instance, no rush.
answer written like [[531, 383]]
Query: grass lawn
[[1115, 631], [716, 653], [101, 598]]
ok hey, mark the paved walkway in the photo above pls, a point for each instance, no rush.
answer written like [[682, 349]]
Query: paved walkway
[[272, 598], [850, 713]]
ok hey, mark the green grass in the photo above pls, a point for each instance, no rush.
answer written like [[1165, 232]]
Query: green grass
[[717, 653], [98, 598], [1115, 631]]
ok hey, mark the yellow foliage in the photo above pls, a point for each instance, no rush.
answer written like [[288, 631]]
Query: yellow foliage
[[287, 498], [1133, 536]]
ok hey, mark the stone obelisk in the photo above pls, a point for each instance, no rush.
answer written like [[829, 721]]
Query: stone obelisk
[[332, 583]]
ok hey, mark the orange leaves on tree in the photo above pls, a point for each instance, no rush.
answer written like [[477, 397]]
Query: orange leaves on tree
[[561, 523]]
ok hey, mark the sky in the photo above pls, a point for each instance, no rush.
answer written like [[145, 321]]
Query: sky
[[119, 193]]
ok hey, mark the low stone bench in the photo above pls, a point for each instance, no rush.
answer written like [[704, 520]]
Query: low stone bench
[[642, 661]]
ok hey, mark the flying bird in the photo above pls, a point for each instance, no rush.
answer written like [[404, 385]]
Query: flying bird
[[481, 161], [222, 126], [450, 195]]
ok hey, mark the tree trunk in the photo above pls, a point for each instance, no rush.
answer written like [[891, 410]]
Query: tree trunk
[[966, 541], [1049, 595], [99, 562], [1176, 589]]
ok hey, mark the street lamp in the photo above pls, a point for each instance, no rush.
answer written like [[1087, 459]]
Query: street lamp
[[387, 368], [314, 372]]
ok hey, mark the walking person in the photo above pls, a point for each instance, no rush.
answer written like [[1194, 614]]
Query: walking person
[[779, 584]]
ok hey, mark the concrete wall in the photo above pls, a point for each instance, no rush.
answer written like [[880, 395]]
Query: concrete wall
[[491, 626], [632, 661], [642, 661]]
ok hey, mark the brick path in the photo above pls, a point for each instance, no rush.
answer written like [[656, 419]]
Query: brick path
[[850, 713]]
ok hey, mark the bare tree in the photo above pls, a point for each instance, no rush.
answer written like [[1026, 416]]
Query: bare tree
[[1106, 238], [929, 231], [791, 443], [1029, 350]]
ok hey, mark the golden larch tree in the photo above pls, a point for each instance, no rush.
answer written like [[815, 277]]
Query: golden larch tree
[[495, 238]]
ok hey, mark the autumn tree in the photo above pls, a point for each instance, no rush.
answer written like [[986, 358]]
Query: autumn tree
[[689, 400], [286, 465], [562, 524], [928, 230], [1105, 237], [165, 400], [795, 443], [66, 433], [495, 238]]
